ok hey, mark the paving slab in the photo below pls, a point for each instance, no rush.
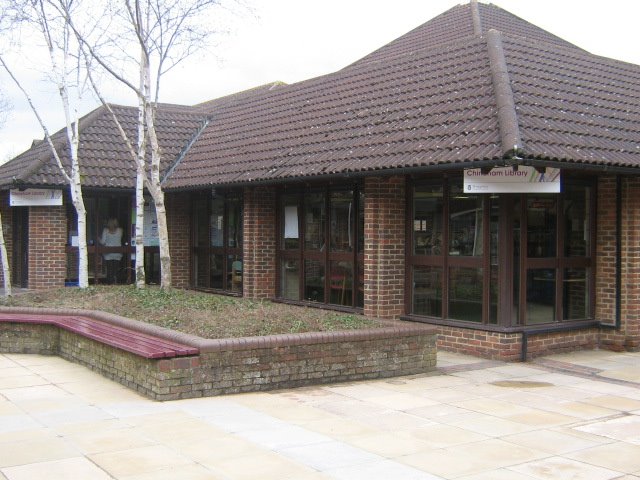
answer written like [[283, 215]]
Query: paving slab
[[567, 416]]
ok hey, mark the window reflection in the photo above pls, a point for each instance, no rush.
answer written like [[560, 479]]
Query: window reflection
[[427, 291], [575, 296], [427, 220], [313, 281], [290, 279], [342, 234], [465, 294], [541, 295], [576, 221], [465, 223], [541, 226], [314, 218]]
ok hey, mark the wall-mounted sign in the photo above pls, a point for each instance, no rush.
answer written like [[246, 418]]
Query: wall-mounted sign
[[35, 197], [508, 180]]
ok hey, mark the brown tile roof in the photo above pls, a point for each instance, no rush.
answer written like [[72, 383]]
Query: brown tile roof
[[104, 158], [458, 23], [443, 94], [375, 116], [462, 89]]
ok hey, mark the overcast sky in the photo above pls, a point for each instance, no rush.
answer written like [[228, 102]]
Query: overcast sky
[[293, 40]]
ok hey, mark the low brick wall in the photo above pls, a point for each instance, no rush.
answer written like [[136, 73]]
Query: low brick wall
[[234, 365], [507, 346]]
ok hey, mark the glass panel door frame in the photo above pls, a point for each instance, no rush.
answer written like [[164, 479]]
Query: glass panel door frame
[[325, 269], [572, 267], [222, 240]]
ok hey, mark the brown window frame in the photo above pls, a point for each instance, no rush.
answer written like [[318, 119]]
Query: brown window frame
[[505, 309], [208, 250], [325, 256]]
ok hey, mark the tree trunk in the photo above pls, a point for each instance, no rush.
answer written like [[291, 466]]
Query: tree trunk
[[6, 272]]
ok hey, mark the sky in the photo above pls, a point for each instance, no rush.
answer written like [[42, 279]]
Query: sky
[[293, 40]]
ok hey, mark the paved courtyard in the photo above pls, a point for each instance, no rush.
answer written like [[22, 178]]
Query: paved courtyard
[[573, 416]]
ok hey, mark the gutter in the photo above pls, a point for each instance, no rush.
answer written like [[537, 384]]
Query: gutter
[[495, 162]]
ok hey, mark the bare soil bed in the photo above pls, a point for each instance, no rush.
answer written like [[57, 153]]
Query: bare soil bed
[[203, 314]]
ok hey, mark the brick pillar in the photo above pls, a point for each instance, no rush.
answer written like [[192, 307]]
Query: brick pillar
[[7, 230], [628, 336], [384, 248], [179, 227], [606, 250], [47, 240], [259, 243]]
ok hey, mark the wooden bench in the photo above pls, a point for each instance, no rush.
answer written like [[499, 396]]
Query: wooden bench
[[141, 344]]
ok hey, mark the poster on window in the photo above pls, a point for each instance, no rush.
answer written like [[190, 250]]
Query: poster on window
[[150, 226], [510, 180]]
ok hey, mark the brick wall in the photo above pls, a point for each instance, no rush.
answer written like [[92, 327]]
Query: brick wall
[[179, 227], [508, 346], [259, 243], [240, 365], [628, 336], [47, 240], [384, 250]]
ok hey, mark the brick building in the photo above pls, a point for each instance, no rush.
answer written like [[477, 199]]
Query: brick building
[[478, 174]]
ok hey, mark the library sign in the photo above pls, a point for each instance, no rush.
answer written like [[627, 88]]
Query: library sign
[[35, 197], [508, 180]]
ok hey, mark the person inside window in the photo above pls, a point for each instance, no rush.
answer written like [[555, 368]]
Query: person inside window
[[112, 237]]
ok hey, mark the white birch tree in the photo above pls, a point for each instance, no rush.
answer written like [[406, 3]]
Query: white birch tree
[[165, 32], [49, 20], [4, 258]]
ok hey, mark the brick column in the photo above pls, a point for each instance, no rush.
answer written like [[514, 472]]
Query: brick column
[[47, 240], [628, 336], [179, 227], [606, 250], [384, 248], [259, 243]]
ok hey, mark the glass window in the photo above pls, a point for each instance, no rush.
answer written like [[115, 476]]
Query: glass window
[[321, 236], [577, 234], [234, 267], [216, 272], [536, 267], [290, 227], [216, 222], [234, 206], [200, 232], [541, 226], [427, 291], [465, 294], [541, 295], [575, 294], [341, 283], [427, 220], [290, 279], [314, 221], [217, 241], [465, 223], [342, 214], [313, 281]]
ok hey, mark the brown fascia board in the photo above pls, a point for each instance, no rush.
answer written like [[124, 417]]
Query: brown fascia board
[[507, 117]]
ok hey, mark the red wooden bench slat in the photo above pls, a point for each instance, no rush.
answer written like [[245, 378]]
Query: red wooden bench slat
[[141, 344]]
